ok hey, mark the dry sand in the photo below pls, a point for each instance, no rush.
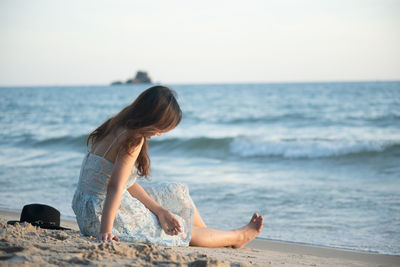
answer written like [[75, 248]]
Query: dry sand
[[26, 245]]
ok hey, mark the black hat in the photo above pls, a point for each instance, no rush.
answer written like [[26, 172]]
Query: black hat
[[40, 215]]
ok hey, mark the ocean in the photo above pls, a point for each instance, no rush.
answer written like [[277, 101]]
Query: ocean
[[320, 161]]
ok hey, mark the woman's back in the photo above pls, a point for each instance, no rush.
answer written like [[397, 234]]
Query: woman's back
[[108, 146]]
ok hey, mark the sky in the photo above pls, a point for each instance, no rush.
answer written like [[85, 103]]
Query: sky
[[83, 42]]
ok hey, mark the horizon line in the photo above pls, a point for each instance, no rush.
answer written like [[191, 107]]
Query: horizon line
[[205, 83]]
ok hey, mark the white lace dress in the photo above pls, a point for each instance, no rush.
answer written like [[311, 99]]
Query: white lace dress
[[133, 221]]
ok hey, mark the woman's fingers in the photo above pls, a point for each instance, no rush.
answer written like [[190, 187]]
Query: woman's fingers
[[177, 225], [172, 231], [103, 237], [170, 223]]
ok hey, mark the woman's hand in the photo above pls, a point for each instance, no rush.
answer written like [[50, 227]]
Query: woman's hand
[[169, 222], [107, 237]]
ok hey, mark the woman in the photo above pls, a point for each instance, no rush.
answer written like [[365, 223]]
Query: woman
[[109, 204]]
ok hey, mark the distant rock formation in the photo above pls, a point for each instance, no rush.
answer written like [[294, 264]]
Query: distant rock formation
[[117, 83], [141, 77]]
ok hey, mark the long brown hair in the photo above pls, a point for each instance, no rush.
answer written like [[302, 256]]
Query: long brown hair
[[154, 110]]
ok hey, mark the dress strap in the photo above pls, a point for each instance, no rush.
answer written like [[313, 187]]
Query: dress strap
[[108, 149]]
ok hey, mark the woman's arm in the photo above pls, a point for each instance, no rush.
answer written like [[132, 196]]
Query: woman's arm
[[137, 191], [168, 221], [122, 168]]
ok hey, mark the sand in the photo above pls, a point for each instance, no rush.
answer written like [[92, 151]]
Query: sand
[[27, 245]]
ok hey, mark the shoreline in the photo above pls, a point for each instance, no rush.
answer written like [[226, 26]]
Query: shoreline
[[258, 252]]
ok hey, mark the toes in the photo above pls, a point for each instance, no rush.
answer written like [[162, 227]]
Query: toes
[[260, 223], [253, 219]]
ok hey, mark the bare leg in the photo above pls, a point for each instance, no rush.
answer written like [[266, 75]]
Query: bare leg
[[197, 220], [208, 237]]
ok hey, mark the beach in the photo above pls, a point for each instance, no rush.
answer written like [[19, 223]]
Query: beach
[[27, 245], [319, 161]]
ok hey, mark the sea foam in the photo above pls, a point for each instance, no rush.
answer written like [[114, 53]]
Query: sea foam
[[307, 148]]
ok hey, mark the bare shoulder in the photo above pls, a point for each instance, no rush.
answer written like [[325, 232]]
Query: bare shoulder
[[124, 151]]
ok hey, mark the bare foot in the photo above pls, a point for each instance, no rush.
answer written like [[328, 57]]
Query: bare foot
[[250, 231]]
